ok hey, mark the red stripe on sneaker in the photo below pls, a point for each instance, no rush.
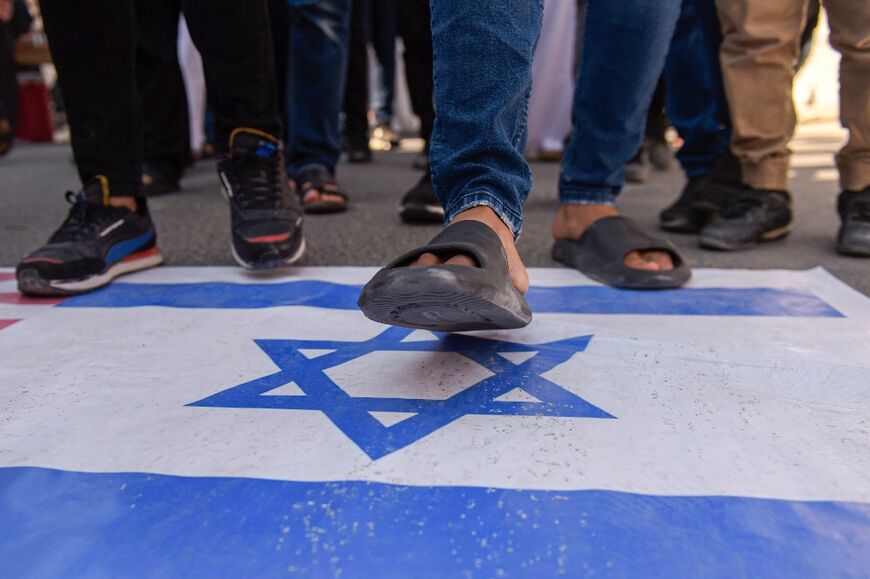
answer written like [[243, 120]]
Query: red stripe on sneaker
[[7, 275], [7, 323], [269, 238], [18, 299], [139, 255], [43, 260]]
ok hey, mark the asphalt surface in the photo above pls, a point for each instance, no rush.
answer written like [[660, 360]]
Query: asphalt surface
[[193, 226]]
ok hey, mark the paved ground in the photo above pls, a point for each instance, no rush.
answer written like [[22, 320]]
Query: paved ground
[[194, 225]]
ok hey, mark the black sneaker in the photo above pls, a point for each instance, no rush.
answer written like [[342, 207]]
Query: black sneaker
[[854, 236], [94, 245], [421, 204], [723, 185], [266, 218], [752, 217], [680, 216]]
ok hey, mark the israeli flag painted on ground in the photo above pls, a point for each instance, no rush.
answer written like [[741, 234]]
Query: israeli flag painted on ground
[[205, 422]]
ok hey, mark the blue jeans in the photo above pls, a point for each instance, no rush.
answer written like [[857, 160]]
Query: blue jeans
[[483, 59], [694, 94], [316, 71], [624, 48]]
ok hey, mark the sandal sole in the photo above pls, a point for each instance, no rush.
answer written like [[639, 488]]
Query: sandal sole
[[436, 299]]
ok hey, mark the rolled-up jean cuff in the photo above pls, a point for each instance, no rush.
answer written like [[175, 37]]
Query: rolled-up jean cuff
[[586, 197], [511, 218]]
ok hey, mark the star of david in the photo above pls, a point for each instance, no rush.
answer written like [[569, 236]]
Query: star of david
[[355, 416]]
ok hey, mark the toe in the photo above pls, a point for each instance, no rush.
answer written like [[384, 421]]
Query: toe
[[638, 260], [426, 259], [461, 260], [661, 258]]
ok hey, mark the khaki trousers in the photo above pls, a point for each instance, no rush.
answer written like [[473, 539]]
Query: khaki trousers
[[758, 54]]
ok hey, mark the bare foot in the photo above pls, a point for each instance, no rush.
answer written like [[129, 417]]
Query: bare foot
[[572, 221], [519, 276]]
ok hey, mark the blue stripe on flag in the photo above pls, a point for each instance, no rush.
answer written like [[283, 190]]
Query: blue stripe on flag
[[555, 300], [57, 523]]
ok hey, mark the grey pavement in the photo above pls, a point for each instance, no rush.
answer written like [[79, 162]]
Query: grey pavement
[[193, 226]]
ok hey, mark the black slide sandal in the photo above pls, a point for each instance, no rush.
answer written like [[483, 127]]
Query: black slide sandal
[[600, 251], [449, 298]]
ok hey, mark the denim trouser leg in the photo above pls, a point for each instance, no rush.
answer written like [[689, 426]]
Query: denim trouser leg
[[483, 76], [695, 98], [624, 49], [315, 82]]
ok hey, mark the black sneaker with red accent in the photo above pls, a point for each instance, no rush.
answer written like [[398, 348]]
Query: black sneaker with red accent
[[94, 245], [266, 218]]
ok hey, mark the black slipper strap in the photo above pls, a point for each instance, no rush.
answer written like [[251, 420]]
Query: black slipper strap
[[611, 238], [471, 238]]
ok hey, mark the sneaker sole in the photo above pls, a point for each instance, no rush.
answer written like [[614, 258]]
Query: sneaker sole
[[725, 245], [31, 283], [270, 263]]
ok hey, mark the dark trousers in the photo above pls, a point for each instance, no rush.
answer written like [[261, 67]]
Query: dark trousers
[[8, 85], [316, 71], [94, 49], [9, 32], [415, 28], [166, 130], [695, 95], [382, 35], [657, 118], [356, 94]]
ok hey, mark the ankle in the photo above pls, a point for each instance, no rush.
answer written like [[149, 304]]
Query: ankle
[[126, 202], [572, 220], [488, 217]]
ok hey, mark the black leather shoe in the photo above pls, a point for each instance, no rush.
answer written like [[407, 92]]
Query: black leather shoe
[[680, 216], [854, 236], [750, 218]]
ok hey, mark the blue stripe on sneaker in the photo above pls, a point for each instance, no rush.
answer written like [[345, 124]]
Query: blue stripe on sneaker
[[124, 248]]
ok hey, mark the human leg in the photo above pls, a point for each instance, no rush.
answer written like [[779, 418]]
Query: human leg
[[760, 46], [472, 278], [625, 46], [316, 76], [850, 35], [235, 42], [164, 99]]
